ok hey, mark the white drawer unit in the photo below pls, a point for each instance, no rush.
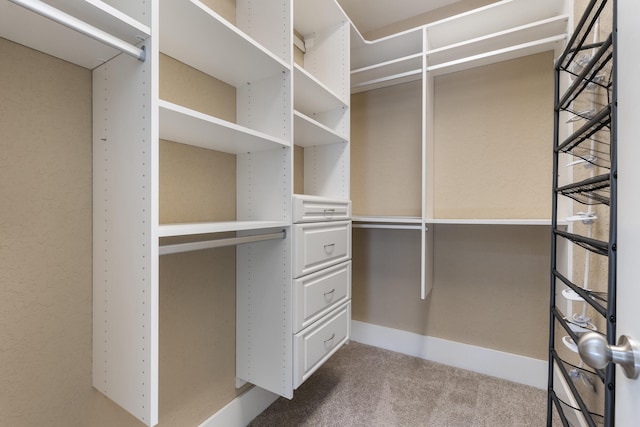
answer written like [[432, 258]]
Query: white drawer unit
[[319, 209], [318, 293], [313, 346], [320, 245]]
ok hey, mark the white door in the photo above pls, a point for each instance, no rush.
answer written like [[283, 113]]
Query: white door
[[628, 236]]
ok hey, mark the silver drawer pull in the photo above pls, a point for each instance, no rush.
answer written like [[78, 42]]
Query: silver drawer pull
[[329, 248], [329, 210], [330, 292], [330, 338]]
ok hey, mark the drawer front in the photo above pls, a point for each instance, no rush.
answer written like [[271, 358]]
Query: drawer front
[[320, 292], [320, 245], [316, 209], [314, 345]]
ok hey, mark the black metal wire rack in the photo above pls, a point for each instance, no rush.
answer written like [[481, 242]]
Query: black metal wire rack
[[585, 94]]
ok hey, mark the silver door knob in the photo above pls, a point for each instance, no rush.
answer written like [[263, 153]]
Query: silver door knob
[[597, 353]]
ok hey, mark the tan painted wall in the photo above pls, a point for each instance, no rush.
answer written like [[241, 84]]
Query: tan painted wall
[[490, 285], [45, 255], [493, 133], [386, 159]]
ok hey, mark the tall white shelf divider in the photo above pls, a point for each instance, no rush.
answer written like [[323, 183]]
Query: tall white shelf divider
[[504, 30]]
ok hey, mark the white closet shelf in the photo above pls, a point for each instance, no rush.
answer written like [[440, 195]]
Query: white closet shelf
[[387, 70], [554, 26], [190, 31], [186, 126], [385, 81], [311, 95], [18, 24], [312, 15], [366, 53], [188, 229], [309, 132], [388, 222], [388, 219], [491, 19], [490, 221], [505, 54]]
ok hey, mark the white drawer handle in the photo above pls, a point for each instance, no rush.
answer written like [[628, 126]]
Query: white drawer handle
[[329, 212], [330, 338], [329, 293], [329, 248]]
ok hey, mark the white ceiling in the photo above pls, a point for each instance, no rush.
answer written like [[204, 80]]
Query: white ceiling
[[369, 15]]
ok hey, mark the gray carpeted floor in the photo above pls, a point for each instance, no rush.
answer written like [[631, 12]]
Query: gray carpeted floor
[[367, 386]]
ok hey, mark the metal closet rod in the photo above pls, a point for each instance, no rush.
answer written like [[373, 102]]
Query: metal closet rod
[[82, 27], [218, 243]]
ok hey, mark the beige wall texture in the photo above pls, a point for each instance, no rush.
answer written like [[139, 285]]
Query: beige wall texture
[[490, 285], [493, 133], [492, 137], [45, 252], [386, 151]]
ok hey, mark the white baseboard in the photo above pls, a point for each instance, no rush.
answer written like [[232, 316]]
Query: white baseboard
[[512, 367], [243, 409]]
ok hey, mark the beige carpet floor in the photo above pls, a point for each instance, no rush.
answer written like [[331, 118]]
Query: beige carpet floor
[[367, 386]]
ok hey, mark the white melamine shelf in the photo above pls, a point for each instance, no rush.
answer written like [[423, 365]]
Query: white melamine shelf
[[505, 54], [386, 71], [388, 219], [366, 53], [555, 26], [188, 229], [490, 19], [490, 221], [186, 126], [18, 24], [313, 15], [308, 132], [197, 36], [311, 95], [388, 222]]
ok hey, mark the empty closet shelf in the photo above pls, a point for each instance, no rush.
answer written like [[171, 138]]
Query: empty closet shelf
[[593, 245], [593, 298], [591, 142], [589, 73], [591, 191]]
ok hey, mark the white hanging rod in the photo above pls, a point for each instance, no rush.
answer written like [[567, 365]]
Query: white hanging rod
[[82, 27], [218, 243]]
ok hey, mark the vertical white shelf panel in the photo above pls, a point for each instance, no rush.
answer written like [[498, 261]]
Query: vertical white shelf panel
[[125, 254]]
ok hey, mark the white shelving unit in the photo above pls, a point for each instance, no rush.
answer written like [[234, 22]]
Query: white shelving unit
[[129, 119], [501, 31]]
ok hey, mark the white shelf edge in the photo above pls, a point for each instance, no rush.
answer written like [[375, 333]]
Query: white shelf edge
[[510, 31], [496, 11], [407, 76], [388, 219], [486, 58], [18, 23], [214, 33], [121, 16], [386, 63], [490, 221], [260, 140], [321, 87], [321, 131], [188, 229]]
